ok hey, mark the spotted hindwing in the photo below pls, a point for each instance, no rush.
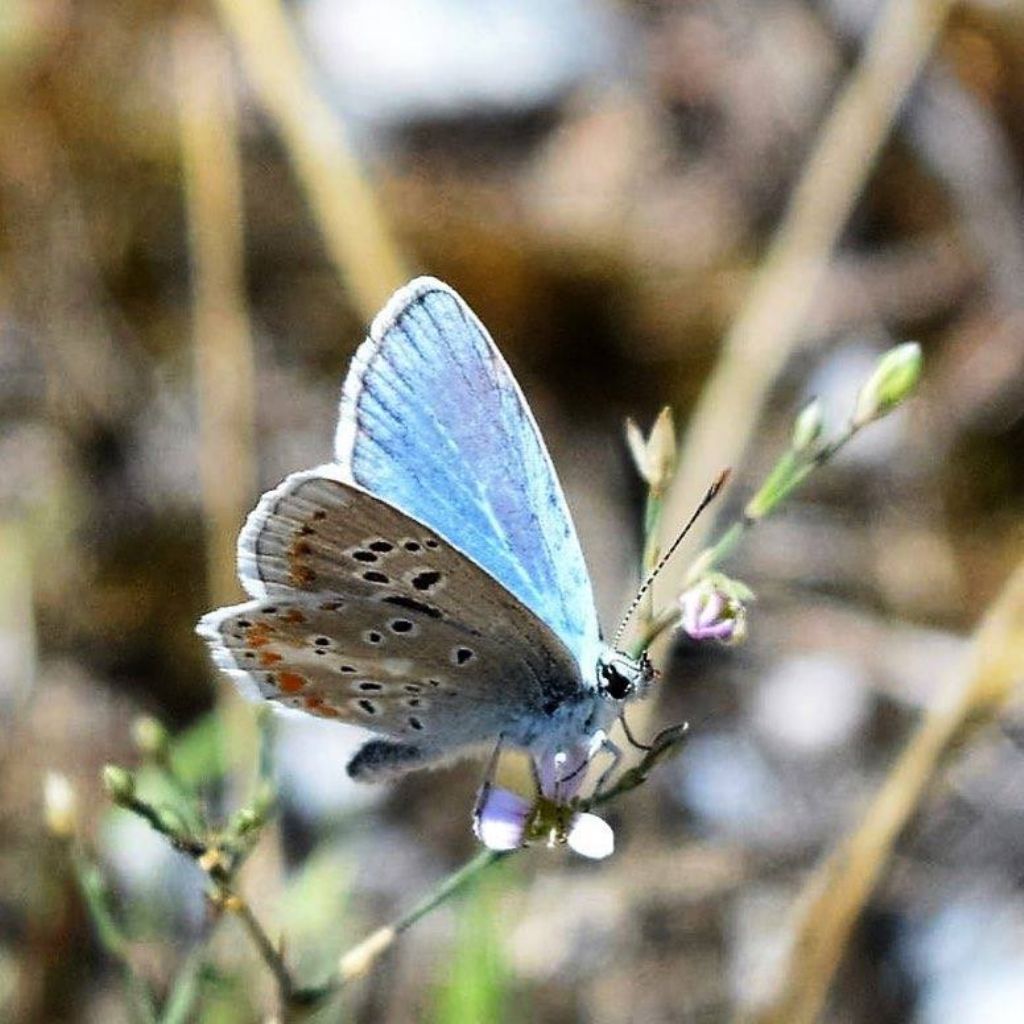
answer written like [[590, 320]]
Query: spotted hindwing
[[363, 614]]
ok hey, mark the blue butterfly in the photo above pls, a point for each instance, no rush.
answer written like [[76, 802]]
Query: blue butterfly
[[427, 584]]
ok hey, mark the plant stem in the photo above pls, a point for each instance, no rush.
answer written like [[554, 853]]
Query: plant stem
[[114, 942], [269, 953]]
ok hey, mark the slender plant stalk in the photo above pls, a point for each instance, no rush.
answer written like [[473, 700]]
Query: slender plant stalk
[[224, 361], [112, 938], [767, 329], [353, 225], [832, 900]]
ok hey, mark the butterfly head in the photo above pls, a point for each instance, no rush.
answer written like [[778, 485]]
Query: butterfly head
[[621, 677]]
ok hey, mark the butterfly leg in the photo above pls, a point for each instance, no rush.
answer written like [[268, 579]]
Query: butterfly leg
[[487, 783], [384, 759], [616, 755], [629, 734]]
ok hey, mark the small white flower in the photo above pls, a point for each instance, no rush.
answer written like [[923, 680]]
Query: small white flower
[[502, 820], [591, 836], [506, 821]]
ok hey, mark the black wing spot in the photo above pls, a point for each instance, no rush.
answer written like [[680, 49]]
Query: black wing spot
[[372, 637], [375, 577], [380, 546], [426, 580], [319, 515], [243, 623], [462, 655], [413, 702], [368, 706], [271, 609], [412, 688], [412, 546], [431, 543], [415, 723], [412, 605], [322, 641], [401, 626], [347, 669], [370, 687], [364, 556]]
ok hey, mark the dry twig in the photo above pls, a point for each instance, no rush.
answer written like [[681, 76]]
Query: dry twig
[[355, 231], [837, 892]]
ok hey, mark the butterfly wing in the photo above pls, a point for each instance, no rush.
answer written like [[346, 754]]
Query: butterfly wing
[[363, 614], [433, 422]]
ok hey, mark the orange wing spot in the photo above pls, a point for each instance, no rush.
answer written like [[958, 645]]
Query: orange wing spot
[[291, 682], [316, 705], [258, 636], [302, 575], [269, 657], [301, 548], [294, 615]]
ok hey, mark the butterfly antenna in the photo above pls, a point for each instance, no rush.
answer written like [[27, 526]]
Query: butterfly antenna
[[709, 496]]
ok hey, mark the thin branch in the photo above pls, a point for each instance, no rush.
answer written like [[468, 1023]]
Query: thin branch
[[832, 900], [97, 900], [361, 957], [268, 952]]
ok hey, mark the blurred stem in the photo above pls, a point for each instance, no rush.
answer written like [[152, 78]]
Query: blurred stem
[[180, 1006], [354, 228], [652, 549], [766, 330], [361, 957], [115, 944], [224, 361], [831, 901], [268, 952], [225, 372], [785, 477]]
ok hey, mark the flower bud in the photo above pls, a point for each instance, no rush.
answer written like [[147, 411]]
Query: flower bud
[[655, 455], [713, 612], [60, 806], [150, 737], [119, 784], [895, 376], [807, 427]]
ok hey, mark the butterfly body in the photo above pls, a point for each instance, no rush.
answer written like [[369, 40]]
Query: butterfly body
[[427, 584]]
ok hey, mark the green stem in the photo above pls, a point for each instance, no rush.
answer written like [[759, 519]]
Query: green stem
[[651, 551], [785, 478], [269, 953], [455, 881], [178, 839], [112, 939]]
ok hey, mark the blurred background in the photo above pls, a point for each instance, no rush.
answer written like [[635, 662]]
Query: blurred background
[[201, 207]]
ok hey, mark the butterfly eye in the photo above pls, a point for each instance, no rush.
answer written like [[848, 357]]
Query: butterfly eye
[[614, 683]]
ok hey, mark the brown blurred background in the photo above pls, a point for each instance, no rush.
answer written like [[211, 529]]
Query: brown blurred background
[[197, 220]]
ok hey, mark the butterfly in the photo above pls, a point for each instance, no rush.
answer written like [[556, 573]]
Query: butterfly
[[428, 583]]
